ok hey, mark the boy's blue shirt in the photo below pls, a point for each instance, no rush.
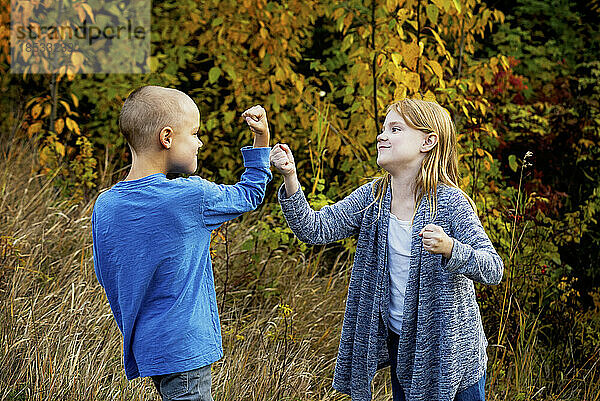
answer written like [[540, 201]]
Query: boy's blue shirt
[[151, 246]]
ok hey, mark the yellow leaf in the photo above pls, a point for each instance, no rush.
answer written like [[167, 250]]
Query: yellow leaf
[[33, 100], [397, 59], [60, 148], [88, 10], [457, 5], [400, 92], [410, 54], [34, 129], [72, 126], [44, 155], [429, 96], [263, 33], [437, 69], [75, 100], [299, 85], [47, 109], [80, 13], [465, 111], [480, 152], [77, 59], [59, 125], [36, 110], [413, 81], [66, 105], [438, 39]]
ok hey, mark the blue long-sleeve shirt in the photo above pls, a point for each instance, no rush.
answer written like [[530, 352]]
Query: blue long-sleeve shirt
[[151, 240]]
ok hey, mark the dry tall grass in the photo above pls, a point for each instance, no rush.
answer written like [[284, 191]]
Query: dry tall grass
[[60, 342], [281, 320]]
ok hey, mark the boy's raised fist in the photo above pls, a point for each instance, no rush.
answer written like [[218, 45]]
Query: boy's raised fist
[[282, 159], [256, 118]]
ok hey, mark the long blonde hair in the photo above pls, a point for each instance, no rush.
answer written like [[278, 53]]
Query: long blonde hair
[[440, 165]]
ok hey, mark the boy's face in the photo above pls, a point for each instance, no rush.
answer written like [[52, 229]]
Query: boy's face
[[183, 154]]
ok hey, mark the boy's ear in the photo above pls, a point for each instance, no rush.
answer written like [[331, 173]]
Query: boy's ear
[[166, 137], [431, 139]]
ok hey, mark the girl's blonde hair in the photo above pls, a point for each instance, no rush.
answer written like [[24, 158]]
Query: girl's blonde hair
[[440, 165]]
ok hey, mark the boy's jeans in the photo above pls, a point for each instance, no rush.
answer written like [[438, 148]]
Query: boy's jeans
[[193, 385], [474, 393]]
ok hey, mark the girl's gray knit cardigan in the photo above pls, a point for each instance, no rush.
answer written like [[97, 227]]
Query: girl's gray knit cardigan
[[442, 347]]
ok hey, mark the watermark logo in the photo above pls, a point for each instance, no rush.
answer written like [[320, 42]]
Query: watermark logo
[[70, 37]]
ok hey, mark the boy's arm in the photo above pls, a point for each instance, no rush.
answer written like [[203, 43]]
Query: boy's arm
[[222, 203], [226, 202], [473, 254]]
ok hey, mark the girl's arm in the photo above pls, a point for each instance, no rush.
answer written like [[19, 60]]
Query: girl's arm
[[473, 254], [332, 223]]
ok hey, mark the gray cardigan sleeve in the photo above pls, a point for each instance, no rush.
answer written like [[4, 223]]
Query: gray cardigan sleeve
[[332, 223], [473, 254]]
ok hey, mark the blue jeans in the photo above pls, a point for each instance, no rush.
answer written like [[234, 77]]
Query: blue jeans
[[474, 393], [193, 385]]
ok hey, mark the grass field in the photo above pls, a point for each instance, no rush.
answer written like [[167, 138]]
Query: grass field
[[281, 314]]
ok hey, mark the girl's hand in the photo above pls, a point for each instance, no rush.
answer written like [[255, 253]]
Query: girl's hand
[[436, 241], [282, 159]]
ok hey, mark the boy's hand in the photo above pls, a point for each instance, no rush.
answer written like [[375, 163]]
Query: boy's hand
[[435, 240], [282, 159], [256, 118]]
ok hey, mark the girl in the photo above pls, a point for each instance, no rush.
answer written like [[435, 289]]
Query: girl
[[411, 300]]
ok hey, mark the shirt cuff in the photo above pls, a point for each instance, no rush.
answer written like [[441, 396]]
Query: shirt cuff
[[294, 198], [256, 157], [460, 255]]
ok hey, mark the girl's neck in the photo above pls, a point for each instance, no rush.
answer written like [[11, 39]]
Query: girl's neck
[[403, 186], [403, 196]]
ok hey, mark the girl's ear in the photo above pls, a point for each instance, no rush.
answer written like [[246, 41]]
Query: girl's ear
[[166, 137], [431, 139]]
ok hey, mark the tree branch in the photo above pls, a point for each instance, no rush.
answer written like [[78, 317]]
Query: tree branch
[[374, 27]]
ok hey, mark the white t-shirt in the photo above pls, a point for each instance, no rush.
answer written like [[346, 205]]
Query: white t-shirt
[[399, 244]]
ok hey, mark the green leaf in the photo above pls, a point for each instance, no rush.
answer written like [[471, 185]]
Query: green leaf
[[214, 74], [432, 13], [512, 162]]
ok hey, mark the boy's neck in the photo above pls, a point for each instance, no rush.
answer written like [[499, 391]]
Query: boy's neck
[[142, 167]]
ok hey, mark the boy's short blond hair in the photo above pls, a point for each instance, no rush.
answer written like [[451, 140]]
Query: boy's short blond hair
[[146, 111]]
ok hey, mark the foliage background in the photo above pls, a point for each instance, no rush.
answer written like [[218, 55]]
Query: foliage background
[[518, 76]]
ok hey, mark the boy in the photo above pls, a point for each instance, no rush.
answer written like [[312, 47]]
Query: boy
[[151, 239]]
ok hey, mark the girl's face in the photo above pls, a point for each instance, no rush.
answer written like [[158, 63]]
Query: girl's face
[[400, 147]]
